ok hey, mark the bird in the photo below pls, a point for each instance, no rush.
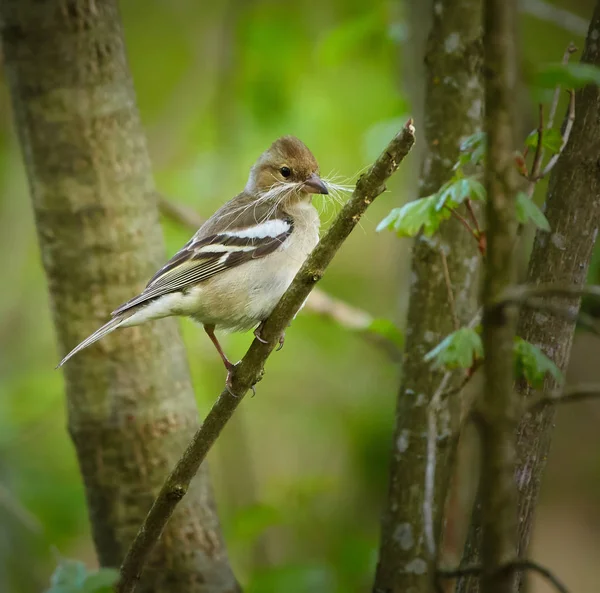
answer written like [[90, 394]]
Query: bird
[[234, 270]]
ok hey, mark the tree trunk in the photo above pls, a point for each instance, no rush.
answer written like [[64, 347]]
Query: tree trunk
[[131, 409], [496, 409], [573, 211], [453, 107]]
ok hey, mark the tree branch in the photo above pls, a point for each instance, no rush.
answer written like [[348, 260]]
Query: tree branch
[[575, 393], [319, 302], [496, 409], [508, 568], [250, 370]]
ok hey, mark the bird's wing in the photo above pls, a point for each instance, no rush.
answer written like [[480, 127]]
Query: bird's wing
[[204, 257]]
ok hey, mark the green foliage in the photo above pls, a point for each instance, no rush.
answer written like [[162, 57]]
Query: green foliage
[[532, 364], [473, 149], [72, 576], [527, 210], [551, 140], [388, 330], [456, 191], [414, 216], [251, 521], [572, 76], [459, 350]]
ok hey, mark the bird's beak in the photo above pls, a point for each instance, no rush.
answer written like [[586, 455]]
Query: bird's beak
[[314, 185]]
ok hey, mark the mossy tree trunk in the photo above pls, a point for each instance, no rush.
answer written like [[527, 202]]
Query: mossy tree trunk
[[453, 111], [131, 409]]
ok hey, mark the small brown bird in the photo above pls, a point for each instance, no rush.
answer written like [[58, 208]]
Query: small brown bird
[[234, 270]]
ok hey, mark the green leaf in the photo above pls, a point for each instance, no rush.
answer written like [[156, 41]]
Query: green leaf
[[251, 521], [458, 350], [572, 76], [473, 150], [478, 154], [414, 216], [528, 210], [533, 364], [551, 140], [388, 330], [455, 192], [476, 190], [101, 581], [474, 141], [69, 574]]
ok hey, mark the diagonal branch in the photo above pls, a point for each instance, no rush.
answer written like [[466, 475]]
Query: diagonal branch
[[250, 370]]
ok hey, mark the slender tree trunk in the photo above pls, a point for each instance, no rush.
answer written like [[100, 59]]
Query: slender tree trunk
[[573, 211], [131, 409], [496, 407], [453, 107]]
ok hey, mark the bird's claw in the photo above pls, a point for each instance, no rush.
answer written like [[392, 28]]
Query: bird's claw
[[229, 383], [281, 342], [257, 335]]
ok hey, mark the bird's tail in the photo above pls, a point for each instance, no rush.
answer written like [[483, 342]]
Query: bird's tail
[[107, 328]]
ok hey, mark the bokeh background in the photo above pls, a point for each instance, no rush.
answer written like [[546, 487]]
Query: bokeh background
[[300, 473]]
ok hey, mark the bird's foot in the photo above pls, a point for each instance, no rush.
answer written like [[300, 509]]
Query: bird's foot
[[281, 342], [229, 382], [263, 341], [258, 336]]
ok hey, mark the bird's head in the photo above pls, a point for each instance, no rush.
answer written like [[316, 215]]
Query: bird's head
[[287, 170]]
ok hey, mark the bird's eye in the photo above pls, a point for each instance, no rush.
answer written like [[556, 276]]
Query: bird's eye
[[285, 171]]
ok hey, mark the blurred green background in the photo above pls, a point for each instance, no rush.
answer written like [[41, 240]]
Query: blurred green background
[[300, 473]]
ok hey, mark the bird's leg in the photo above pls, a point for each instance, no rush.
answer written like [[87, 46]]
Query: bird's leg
[[210, 332], [260, 339]]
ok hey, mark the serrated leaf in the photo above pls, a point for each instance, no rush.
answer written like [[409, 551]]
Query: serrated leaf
[[526, 209], [460, 349], [478, 154], [69, 573], [551, 140], [533, 364], [414, 216], [387, 329], [101, 581], [572, 76], [474, 141], [476, 190]]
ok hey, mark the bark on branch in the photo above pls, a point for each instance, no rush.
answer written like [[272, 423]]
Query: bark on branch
[[249, 371]]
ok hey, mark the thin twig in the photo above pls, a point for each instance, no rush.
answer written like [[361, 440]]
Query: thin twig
[[575, 393], [464, 222], [429, 491], [565, 138], [249, 371], [571, 49], [536, 165], [449, 290], [471, 210], [516, 295], [512, 566], [319, 302]]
